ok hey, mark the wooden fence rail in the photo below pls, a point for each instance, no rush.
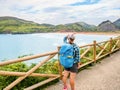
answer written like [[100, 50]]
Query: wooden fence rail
[[98, 51]]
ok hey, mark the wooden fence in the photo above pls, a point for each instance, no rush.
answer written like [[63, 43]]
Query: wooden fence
[[90, 53]]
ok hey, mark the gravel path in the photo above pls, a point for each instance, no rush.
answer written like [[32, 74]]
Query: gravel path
[[102, 76]]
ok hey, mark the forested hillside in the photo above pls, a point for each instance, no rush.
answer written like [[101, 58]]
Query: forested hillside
[[19, 26]]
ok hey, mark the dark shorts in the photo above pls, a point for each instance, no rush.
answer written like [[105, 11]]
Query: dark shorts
[[73, 69]]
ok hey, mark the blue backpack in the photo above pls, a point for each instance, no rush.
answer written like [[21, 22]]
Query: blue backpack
[[66, 55]]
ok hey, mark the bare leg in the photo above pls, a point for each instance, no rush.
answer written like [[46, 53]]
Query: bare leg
[[72, 80], [64, 79]]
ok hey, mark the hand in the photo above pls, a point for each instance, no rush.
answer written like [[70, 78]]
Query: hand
[[68, 35]]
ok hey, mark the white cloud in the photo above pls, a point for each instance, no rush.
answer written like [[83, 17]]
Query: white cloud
[[60, 11]]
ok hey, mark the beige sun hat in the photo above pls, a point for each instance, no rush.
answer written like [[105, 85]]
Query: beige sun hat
[[71, 36]]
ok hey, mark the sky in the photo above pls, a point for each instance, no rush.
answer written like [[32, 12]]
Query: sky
[[62, 11]]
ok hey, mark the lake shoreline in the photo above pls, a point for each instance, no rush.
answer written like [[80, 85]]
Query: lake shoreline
[[92, 33], [85, 33]]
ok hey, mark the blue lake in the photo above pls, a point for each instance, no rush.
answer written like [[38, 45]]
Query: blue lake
[[12, 46]]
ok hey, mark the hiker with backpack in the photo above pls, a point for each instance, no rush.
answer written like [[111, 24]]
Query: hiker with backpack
[[70, 60]]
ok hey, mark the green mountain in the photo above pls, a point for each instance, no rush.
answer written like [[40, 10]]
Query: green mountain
[[85, 27], [78, 27], [15, 25]]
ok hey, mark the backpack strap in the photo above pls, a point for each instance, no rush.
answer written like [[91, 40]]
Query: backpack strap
[[74, 52], [74, 45]]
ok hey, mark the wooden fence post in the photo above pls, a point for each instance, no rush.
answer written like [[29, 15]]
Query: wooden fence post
[[60, 66], [94, 51], [110, 45], [119, 42]]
